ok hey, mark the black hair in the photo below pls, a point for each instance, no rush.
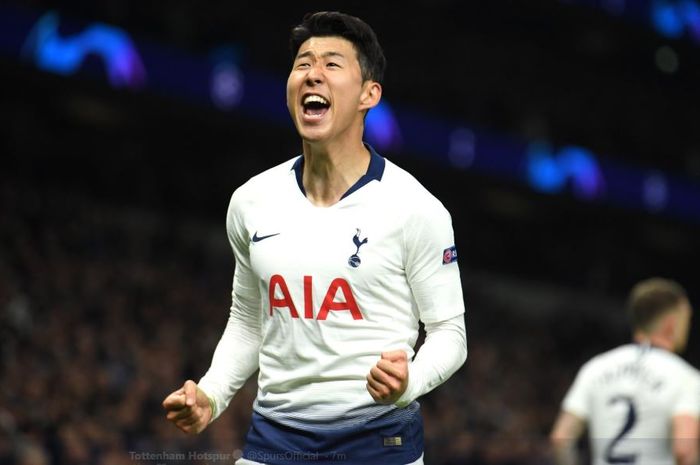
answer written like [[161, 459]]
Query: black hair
[[651, 298], [335, 24]]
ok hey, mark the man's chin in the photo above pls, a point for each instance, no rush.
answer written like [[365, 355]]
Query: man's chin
[[313, 137]]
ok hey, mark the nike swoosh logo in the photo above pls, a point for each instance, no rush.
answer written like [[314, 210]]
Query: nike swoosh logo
[[257, 238]]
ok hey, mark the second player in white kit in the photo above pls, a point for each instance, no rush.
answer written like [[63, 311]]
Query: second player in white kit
[[641, 401]]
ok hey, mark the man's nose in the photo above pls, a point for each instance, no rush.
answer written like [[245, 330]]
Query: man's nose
[[315, 75]]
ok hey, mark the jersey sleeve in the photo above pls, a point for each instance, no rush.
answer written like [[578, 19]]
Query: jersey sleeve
[[687, 402], [440, 356], [577, 398], [431, 263], [433, 275], [237, 353]]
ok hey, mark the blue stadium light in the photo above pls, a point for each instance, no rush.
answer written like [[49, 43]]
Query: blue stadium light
[[65, 55], [382, 129], [575, 166], [543, 173], [655, 192], [226, 80], [220, 80], [691, 13], [462, 148], [581, 166], [226, 85], [670, 18], [667, 20]]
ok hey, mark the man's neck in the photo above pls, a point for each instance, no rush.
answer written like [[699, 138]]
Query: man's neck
[[655, 340], [330, 170]]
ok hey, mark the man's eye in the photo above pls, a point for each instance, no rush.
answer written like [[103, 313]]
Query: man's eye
[[333, 64]]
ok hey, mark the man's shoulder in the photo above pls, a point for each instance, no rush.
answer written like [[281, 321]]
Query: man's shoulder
[[611, 356], [266, 180], [672, 361], [404, 185], [260, 188], [662, 359]]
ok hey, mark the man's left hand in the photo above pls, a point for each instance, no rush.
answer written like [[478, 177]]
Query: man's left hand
[[388, 379]]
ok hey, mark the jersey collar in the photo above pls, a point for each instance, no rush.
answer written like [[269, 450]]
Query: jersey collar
[[646, 345], [375, 171]]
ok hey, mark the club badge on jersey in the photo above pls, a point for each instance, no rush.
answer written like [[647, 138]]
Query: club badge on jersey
[[354, 260]]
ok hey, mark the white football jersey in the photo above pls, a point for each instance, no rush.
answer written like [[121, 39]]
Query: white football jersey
[[333, 287], [629, 396]]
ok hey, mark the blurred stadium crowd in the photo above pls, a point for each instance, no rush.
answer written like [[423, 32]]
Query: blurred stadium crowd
[[105, 309]]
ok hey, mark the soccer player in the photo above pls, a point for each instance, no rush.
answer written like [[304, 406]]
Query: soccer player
[[640, 401], [339, 254]]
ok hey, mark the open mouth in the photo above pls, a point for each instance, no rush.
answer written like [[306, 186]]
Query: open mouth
[[315, 106]]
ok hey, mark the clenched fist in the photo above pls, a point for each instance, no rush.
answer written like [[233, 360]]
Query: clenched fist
[[188, 408], [387, 380]]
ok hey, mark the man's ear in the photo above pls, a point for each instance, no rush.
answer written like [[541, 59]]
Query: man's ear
[[371, 95], [669, 324]]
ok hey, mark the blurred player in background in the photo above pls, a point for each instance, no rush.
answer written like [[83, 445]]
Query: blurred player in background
[[640, 401], [339, 255]]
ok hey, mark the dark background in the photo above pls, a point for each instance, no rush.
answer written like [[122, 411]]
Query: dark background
[[115, 272]]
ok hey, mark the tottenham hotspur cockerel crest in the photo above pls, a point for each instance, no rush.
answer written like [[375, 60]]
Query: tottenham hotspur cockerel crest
[[354, 260]]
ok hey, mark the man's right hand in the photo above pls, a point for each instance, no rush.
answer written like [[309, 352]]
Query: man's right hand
[[188, 408]]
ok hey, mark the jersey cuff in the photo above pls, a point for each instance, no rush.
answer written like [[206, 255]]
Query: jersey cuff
[[412, 389], [212, 404]]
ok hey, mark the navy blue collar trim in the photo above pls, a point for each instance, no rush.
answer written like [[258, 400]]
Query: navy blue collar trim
[[647, 345], [375, 171]]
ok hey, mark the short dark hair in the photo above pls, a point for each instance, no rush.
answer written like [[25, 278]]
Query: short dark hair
[[652, 298], [335, 24]]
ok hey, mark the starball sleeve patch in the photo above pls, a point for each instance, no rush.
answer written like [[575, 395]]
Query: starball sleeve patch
[[449, 255]]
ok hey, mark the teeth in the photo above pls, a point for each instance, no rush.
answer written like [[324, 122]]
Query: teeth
[[315, 98]]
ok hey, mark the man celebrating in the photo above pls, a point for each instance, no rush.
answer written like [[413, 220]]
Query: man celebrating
[[339, 255], [641, 400]]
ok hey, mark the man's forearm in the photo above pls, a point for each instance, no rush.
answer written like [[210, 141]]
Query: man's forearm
[[564, 452], [442, 353], [235, 360]]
